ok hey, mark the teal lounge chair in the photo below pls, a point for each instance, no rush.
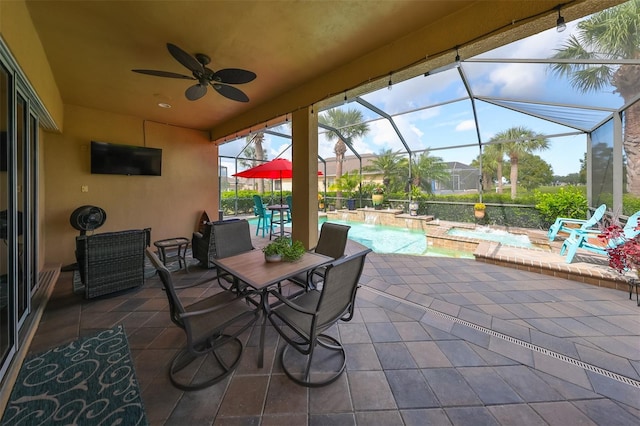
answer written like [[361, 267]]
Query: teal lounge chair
[[264, 216], [588, 239], [565, 224]]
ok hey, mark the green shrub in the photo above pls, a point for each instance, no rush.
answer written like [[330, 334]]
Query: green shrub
[[569, 202]]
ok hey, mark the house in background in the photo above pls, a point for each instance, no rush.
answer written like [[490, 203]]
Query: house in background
[[462, 178]]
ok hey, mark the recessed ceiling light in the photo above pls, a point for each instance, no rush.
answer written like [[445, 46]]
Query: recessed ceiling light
[[164, 105]]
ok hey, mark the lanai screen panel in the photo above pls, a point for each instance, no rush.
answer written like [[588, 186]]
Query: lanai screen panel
[[446, 125], [532, 82], [602, 164], [419, 92]]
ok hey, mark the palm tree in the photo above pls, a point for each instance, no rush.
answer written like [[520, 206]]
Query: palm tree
[[392, 165], [350, 125], [493, 159], [255, 152], [611, 34], [427, 169], [518, 140]]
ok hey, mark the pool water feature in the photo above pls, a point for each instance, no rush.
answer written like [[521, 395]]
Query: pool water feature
[[488, 234]]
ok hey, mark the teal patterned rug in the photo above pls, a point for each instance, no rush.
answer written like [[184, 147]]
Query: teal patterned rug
[[89, 381]]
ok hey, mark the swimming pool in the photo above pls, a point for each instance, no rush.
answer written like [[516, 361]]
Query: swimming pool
[[388, 239], [497, 235]]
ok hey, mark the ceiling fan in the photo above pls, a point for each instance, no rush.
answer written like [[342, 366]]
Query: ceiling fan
[[219, 80]]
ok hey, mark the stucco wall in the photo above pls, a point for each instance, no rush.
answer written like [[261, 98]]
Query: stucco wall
[[169, 204], [23, 41]]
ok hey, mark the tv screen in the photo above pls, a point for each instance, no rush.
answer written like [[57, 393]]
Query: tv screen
[[115, 159]]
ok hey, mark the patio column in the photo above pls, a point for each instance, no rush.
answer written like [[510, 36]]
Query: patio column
[[304, 132]]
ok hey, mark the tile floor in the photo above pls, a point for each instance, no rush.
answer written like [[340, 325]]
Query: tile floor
[[434, 341]]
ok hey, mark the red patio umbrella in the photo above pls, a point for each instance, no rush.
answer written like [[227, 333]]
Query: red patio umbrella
[[279, 168]]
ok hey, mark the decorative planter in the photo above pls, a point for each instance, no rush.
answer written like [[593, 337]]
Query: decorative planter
[[377, 199], [479, 214], [351, 204], [272, 258], [413, 209]]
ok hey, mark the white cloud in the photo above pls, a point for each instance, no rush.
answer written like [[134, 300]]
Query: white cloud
[[465, 125]]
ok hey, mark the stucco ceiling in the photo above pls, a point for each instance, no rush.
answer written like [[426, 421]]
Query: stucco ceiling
[[92, 46]]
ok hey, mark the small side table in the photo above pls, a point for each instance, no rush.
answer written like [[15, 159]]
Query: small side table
[[634, 282], [179, 243]]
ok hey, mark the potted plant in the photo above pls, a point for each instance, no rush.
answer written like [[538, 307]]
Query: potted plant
[[320, 202], [283, 248], [479, 210], [377, 195], [414, 195]]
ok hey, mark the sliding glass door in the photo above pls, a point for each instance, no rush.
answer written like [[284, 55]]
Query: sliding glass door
[[7, 324], [18, 210]]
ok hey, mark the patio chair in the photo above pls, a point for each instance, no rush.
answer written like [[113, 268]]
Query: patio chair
[[331, 242], [302, 321], [212, 326], [265, 216], [111, 261], [222, 239], [588, 239], [565, 224]]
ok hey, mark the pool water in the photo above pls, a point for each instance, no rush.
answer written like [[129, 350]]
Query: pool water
[[497, 235], [388, 239]]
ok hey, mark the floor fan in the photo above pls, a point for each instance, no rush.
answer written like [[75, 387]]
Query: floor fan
[[85, 218]]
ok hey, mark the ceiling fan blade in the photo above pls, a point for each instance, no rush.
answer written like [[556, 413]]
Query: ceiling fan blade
[[235, 76], [164, 74], [184, 58], [230, 92], [195, 92]]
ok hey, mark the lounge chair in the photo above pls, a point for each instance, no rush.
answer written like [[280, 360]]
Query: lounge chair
[[565, 224], [588, 239], [111, 261]]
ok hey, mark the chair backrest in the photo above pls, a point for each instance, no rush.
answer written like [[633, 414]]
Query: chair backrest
[[629, 228], [111, 261], [175, 306], [339, 289], [230, 237], [289, 199], [596, 217], [258, 206], [332, 240]]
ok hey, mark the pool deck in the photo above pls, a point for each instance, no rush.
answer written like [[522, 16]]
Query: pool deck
[[434, 340], [545, 258]]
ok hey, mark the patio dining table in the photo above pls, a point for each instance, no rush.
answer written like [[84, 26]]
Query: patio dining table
[[252, 268]]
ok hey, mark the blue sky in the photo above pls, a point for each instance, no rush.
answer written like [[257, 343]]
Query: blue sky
[[453, 124]]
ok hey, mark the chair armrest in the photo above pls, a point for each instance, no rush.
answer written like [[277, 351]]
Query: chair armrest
[[290, 304], [217, 307]]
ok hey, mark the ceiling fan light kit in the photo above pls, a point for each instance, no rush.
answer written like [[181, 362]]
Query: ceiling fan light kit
[[220, 80]]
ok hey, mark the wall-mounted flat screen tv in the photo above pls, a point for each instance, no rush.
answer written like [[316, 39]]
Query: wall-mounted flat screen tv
[[116, 159]]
